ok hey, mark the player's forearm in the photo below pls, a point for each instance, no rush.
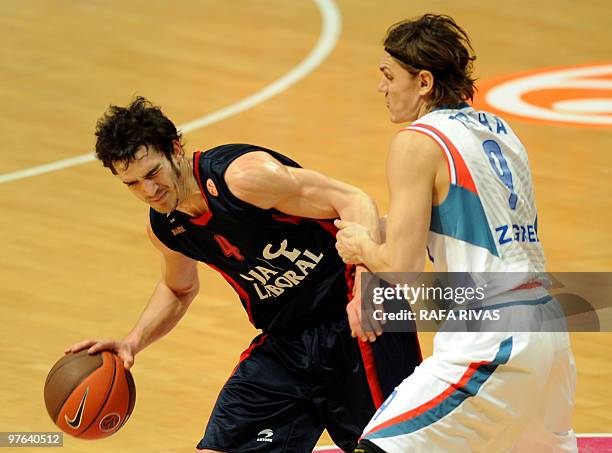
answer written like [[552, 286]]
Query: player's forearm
[[380, 258], [360, 208], [162, 313], [373, 256]]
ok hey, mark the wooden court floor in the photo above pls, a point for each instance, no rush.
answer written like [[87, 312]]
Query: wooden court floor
[[75, 261]]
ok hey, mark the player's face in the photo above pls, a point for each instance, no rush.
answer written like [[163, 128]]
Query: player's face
[[152, 178], [403, 91]]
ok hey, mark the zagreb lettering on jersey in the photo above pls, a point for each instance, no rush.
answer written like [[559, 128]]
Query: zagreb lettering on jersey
[[517, 233], [272, 281]]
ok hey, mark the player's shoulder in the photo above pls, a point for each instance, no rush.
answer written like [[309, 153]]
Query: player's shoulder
[[227, 150], [408, 140]]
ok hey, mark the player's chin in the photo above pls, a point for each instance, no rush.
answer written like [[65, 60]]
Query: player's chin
[[394, 118], [162, 208]]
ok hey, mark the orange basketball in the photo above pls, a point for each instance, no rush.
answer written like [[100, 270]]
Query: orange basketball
[[90, 396]]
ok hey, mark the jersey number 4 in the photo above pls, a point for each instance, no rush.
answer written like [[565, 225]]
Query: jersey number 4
[[228, 248]]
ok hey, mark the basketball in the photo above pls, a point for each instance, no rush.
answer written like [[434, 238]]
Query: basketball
[[90, 396]]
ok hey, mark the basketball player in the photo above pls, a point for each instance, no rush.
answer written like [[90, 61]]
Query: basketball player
[[460, 186], [266, 225]]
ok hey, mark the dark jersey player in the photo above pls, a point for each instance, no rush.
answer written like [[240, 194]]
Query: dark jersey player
[[266, 225]]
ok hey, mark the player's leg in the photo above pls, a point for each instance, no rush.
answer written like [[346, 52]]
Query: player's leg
[[475, 393], [263, 406], [552, 430], [356, 377]]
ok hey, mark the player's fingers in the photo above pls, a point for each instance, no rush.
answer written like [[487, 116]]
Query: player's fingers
[[128, 360], [342, 253], [376, 322], [370, 330], [79, 346], [355, 321], [365, 327], [339, 224], [104, 345]]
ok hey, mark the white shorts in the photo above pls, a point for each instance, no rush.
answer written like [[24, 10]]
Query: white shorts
[[483, 392]]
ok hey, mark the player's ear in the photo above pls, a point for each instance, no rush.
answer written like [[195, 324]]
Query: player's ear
[[426, 82], [177, 150]]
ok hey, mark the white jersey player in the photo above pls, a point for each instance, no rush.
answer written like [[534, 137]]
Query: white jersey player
[[460, 186]]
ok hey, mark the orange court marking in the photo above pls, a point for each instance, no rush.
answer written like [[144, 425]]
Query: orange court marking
[[570, 95]]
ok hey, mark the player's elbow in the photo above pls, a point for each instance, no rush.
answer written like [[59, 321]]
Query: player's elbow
[[187, 294], [356, 205]]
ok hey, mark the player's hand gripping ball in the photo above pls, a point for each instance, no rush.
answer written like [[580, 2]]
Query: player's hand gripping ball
[[90, 396]]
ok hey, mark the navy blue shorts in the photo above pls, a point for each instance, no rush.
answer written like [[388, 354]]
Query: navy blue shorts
[[288, 388]]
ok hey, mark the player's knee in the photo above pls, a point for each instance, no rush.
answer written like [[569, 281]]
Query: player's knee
[[365, 446]]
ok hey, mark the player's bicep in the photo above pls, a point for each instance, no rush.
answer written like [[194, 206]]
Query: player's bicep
[[259, 179], [318, 196], [178, 272]]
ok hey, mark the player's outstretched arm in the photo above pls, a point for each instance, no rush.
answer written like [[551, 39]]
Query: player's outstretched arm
[[172, 296], [261, 180]]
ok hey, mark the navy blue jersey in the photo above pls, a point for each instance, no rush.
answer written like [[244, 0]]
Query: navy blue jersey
[[285, 269]]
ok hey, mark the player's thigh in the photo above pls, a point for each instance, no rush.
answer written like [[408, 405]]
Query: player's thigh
[[265, 406], [460, 399]]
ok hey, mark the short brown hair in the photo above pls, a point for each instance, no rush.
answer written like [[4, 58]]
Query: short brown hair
[[121, 131], [437, 44]]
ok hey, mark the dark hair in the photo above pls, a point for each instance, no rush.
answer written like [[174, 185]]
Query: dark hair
[[437, 44], [121, 131]]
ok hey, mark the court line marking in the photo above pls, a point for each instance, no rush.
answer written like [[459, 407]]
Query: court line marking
[[594, 435], [331, 26], [332, 447]]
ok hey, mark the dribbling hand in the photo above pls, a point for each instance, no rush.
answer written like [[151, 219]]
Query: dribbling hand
[[123, 349]]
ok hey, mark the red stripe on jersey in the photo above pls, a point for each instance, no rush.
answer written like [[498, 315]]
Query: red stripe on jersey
[[239, 289], [328, 225], [464, 178], [369, 363], [204, 218], [280, 217]]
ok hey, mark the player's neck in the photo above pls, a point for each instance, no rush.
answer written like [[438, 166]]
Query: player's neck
[[191, 201]]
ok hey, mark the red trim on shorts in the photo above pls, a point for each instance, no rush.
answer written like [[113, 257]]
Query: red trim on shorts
[[367, 355], [369, 363], [472, 368], [239, 289], [204, 218], [247, 352], [529, 285]]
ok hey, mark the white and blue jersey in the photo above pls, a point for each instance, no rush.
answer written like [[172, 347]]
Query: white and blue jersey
[[488, 221], [485, 391]]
